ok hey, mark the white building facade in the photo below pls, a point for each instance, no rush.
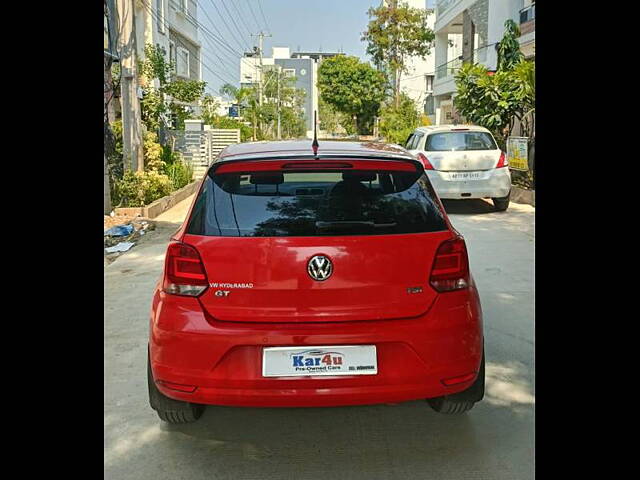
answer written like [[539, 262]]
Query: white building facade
[[172, 25], [417, 82], [468, 31], [301, 65]]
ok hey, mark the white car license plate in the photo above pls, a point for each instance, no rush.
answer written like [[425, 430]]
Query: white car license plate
[[319, 361], [465, 176]]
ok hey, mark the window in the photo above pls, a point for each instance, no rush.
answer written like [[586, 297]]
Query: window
[[407, 145], [429, 80], [182, 62], [172, 52], [191, 9], [160, 15], [277, 204], [414, 141], [429, 105], [460, 141]]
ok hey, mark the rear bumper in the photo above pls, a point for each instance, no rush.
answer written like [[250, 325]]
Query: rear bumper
[[223, 360], [496, 183]]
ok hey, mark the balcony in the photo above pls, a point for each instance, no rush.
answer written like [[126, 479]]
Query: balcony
[[528, 19], [451, 67], [442, 6]]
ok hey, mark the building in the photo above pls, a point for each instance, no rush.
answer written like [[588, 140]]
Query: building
[[417, 82], [172, 25], [528, 29], [468, 31], [301, 65]]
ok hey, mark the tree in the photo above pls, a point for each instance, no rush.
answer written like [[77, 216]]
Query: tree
[[394, 34], [171, 95], [352, 87], [396, 124], [209, 106], [277, 87], [509, 54], [331, 120], [280, 94], [496, 101]]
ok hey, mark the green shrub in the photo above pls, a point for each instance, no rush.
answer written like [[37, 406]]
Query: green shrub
[[152, 152], [137, 189], [396, 124], [179, 173]]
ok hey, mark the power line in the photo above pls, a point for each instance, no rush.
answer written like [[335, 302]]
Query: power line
[[232, 67], [253, 15], [219, 39], [234, 23], [241, 16], [203, 28], [263, 17], [227, 25], [202, 52]]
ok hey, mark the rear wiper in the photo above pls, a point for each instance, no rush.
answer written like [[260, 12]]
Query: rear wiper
[[351, 224]]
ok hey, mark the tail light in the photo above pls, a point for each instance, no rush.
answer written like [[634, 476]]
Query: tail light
[[503, 162], [450, 269], [425, 161], [184, 272]]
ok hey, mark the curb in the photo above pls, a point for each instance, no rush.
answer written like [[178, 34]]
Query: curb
[[161, 205], [520, 195]]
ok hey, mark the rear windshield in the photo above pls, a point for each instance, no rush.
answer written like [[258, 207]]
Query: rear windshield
[[276, 204], [457, 141]]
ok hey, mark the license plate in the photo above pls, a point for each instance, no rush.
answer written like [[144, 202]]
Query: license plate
[[465, 176], [319, 361]]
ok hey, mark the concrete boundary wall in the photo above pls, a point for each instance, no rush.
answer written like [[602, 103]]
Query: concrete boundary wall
[[520, 195], [162, 204]]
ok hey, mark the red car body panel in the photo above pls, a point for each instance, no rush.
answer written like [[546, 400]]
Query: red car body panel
[[369, 281], [208, 349]]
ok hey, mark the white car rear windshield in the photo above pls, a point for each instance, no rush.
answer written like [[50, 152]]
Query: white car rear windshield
[[459, 141]]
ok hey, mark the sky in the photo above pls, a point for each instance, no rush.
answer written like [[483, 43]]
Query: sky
[[311, 25]]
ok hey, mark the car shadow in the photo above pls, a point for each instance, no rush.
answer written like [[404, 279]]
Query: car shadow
[[468, 207]]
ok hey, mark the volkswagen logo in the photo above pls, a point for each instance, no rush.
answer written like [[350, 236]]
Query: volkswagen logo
[[319, 268]]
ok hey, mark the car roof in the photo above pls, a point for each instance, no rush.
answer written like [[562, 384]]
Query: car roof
[[303, 148], [449, 128]]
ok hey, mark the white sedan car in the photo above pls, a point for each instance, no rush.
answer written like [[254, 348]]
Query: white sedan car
[[463, 161]]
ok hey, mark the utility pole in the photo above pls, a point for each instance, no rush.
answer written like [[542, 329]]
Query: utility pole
[[278, 71], [131, 123], [260, 36]]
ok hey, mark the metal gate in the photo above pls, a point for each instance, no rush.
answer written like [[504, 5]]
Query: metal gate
[[200, 147]]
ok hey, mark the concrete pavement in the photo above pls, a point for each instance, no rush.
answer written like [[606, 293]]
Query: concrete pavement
[[493, 441]]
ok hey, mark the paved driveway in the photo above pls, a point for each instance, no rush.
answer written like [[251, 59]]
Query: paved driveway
[[406, 441]]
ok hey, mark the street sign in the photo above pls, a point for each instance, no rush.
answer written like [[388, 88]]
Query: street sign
[[517, 153]]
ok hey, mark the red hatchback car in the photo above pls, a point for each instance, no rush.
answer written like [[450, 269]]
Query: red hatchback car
[[307, 277]]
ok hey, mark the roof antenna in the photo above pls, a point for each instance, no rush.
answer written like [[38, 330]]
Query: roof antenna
[[314, 145]]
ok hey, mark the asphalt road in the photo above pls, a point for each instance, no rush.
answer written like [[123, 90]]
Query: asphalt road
[[493, 441]]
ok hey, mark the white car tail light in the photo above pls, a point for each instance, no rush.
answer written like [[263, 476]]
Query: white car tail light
[[425, 161], [503, 162]]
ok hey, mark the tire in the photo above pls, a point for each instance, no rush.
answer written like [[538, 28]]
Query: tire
[[463, 401], [168, 409], [501, 204]]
